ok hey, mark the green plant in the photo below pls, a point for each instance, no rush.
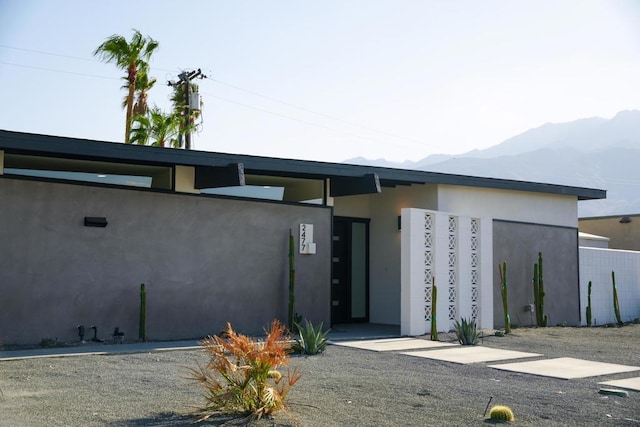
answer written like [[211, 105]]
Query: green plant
[[538, 292], [242, 375], [503, 291], [292, 276], [311, 340], [131, 57], [589, 304], [616, 305], [142, 327], [466, 332], [434, 299], [501, 413]]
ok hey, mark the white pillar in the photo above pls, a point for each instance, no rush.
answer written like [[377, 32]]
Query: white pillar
[[485, 302], [412, 321], [464, 267]]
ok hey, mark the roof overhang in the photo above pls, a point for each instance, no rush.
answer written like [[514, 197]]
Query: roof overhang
[[345, 174]]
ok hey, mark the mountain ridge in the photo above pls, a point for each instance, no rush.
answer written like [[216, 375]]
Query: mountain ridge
[[591, 152]]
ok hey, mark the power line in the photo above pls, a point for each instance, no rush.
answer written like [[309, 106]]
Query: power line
[[315, 112], [251, 92], [58, 71], [48, 53], [292, 118]]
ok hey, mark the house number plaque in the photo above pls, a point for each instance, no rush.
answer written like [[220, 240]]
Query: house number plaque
[[307, 246]]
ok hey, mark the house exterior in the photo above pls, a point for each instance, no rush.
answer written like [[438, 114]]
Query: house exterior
[[623, 231], [614, 249], [84, 223]]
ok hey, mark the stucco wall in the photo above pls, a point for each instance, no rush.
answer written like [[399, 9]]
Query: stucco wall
[[540, 208], [384, 247], [518, 244], [385, 252], [204, 260]]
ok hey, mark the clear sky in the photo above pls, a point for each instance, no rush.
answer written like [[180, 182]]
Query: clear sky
[[328, 80]]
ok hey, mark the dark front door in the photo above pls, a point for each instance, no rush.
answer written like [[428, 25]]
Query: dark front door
[[350, 272]]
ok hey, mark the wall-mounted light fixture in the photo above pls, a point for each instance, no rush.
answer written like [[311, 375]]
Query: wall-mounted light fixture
[[625, 220], [95, 221]]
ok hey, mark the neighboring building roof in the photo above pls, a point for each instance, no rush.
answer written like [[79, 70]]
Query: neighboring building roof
[[83, 149], [623, 217], [588, 236]]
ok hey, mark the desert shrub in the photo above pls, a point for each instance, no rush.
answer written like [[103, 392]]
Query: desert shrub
[[466, 332], [241, 375], [311, 340], [501, 413]]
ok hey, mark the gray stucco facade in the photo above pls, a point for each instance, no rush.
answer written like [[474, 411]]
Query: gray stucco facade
[[207, 260], [518, 244], [204, 261]]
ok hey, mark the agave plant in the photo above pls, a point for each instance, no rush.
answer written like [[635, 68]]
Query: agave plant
[[311, 340], [467, 332], [242, 375]]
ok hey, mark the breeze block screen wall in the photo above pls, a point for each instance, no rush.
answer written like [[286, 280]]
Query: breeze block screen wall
[[454, 250]]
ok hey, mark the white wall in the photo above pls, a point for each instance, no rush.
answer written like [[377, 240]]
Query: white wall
[[596, 266], [538, 208]]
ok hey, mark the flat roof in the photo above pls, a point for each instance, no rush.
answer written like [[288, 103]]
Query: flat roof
[[85, 149]]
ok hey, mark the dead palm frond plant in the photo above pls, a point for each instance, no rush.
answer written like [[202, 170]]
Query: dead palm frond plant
[[242, 375]]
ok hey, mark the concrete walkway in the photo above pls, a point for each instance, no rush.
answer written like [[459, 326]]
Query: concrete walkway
[[98, 349], [563, 368], [379, 338]]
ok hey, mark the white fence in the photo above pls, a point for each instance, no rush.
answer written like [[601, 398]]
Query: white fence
[[596, 266]]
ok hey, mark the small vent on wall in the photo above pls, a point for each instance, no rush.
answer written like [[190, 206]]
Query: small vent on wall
[[95, 221]]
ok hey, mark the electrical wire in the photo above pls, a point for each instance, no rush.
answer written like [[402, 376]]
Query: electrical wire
[[238, 88], [58, 71]]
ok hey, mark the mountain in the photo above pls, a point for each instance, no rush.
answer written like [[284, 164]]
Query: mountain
[[407, 164], [592, 152]]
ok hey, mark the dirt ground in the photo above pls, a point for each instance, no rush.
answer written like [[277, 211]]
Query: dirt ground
[[342, 387]]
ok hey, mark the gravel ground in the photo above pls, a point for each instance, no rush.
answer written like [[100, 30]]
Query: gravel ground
[[343, 386]]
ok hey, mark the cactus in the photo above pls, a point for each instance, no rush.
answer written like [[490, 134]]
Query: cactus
[[538, 292], [503, 291], [501, 413], [142, 331], [616, 305], [434, 299], [589, 304], [292, 276]]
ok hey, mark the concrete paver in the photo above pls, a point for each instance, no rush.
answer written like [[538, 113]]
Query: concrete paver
[[394, 344], [471, 354], [628, 383], [565, 368]]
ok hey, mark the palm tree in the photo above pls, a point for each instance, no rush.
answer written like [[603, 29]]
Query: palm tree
[[131, 56], [156, 128], [144, 83]]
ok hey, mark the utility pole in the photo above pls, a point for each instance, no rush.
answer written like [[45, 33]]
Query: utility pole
[[185, 80]]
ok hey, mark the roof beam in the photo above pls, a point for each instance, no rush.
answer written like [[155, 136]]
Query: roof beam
[[353, 185], [219, 176]]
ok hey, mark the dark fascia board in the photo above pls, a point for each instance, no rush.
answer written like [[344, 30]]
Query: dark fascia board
[[350, 185], [109, 151]]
